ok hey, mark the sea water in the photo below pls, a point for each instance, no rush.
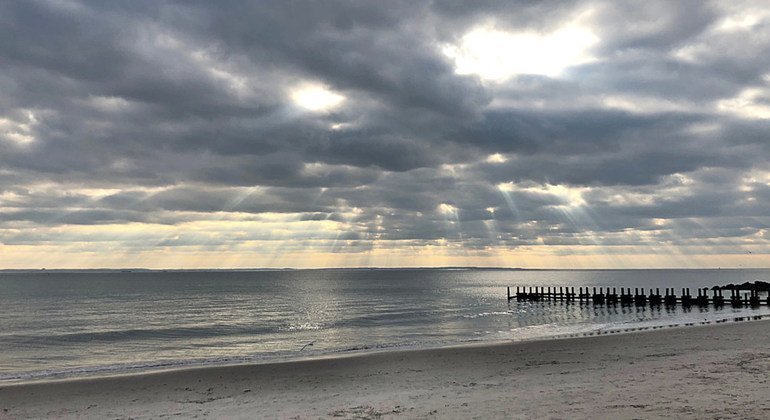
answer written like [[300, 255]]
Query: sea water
[[57, 324]]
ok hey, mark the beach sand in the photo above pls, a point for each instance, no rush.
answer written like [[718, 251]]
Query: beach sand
[[711, 371]]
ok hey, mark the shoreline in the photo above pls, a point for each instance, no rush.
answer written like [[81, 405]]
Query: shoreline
[[102, 372], [453, 381]]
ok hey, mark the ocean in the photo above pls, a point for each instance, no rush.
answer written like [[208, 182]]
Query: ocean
[[60, 324]]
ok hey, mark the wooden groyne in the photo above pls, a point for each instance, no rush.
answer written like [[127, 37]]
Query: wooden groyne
[[638, 296]]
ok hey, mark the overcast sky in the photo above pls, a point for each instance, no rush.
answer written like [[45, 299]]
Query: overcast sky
[[384, 133]]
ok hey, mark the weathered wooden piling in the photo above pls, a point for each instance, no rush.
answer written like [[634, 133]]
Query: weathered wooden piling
[[702, 300], [735, 298], [583, 297], [571, 295], [598, 297], [670, 298], [718, 299], [638, 297], [626, 298], [754, 299], [655, 298]]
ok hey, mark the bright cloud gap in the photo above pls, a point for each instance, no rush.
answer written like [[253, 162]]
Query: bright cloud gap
[[497, 55], [315, 97]]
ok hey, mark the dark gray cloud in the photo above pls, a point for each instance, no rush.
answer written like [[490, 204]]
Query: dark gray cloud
[[120, 113]]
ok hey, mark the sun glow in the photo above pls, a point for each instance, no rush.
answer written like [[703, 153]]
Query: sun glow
[[496, 158], [497, 55], [447, 209], [316, 98], [569, 196]]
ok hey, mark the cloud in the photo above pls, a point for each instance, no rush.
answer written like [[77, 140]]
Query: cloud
[[347, 128]]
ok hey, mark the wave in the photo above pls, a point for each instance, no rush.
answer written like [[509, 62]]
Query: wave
[[149, 366], [304, 326], [163, 333], [117, 368], [486, 314]]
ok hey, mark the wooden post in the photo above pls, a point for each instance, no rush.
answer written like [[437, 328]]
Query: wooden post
[[754, 299], [640, 299], [735, 298], [598, 297], [655, 298], [703, 299], [717, 299]]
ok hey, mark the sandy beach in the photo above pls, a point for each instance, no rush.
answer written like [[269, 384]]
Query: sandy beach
[[711, 371]]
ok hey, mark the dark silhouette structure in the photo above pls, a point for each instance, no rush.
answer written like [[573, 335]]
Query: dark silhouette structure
[[639, 297]]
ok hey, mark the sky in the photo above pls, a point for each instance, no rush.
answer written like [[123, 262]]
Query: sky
[[538, 134]]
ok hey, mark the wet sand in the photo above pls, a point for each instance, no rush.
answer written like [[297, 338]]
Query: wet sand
[[711, 371]]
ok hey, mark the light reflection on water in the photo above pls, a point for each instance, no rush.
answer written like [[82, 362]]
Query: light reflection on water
[[55, 323]]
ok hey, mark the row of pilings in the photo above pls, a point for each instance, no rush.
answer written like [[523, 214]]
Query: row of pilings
[[638, 296]]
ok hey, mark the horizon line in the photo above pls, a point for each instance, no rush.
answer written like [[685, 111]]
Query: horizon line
[[364, 268]]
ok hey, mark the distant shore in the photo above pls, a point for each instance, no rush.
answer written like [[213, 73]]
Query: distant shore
[[481, 268], [702, 371]]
